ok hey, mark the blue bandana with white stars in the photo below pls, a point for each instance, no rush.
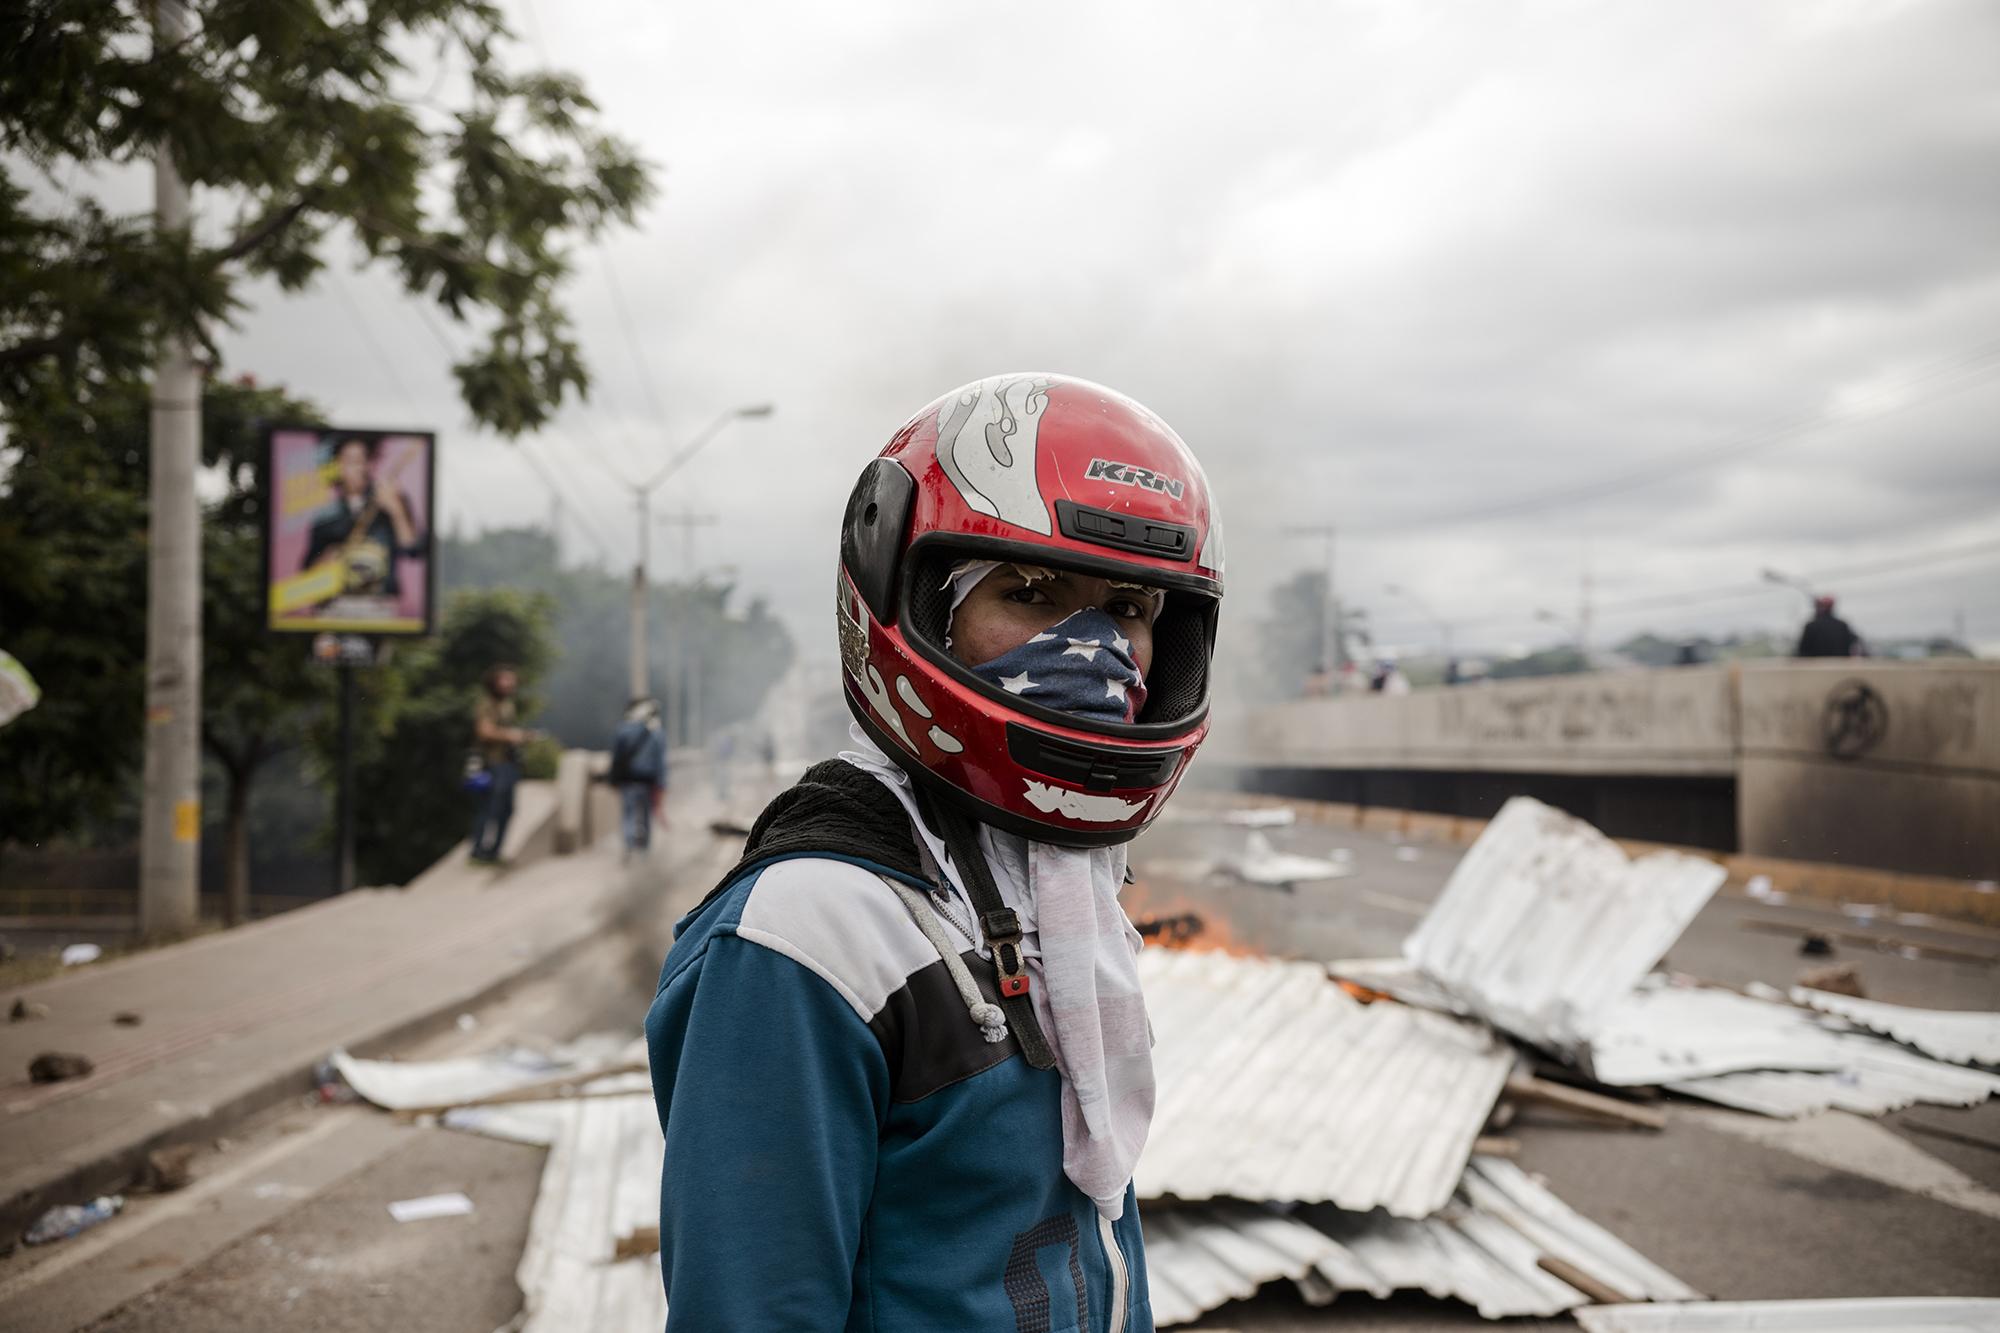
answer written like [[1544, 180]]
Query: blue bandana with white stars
[[1081, 666]]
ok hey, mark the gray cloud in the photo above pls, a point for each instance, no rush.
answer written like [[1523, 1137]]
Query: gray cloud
[[1378, 262]]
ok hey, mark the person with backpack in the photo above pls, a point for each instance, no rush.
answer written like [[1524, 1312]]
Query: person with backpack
[[900, 1054], [639, 771]]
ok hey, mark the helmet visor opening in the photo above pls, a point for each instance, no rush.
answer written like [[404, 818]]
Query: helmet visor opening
[[1183, 636]]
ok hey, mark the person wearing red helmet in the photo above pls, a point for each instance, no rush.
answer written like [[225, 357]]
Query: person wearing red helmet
[[900, 1053]]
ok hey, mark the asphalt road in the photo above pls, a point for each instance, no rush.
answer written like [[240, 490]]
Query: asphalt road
[[287, 1225]]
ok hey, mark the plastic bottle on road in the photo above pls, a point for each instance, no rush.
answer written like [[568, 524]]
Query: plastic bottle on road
[[60, 1223]]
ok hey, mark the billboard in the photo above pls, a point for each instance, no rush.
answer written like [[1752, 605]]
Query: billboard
[[347, 530]]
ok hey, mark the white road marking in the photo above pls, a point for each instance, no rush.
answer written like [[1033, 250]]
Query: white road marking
[[1858, 1146]]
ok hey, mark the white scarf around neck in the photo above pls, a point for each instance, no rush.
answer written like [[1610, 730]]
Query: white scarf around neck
[[1080, 952]]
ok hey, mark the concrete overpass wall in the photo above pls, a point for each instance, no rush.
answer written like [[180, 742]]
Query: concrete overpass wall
[[1888, 764], [1895, 765]]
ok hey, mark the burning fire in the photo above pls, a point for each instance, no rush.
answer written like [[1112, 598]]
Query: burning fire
[[1169, 919]]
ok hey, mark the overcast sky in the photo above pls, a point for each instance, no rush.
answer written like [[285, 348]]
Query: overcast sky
[[1444, 275]]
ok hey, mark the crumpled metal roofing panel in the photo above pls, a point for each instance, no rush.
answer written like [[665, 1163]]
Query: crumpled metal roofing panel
[[1961, 1037], [1484, 1250], [601, 1181], [1668, 1034], [1273, 1084], [1875, 1078], [1545, 922], [1944, 1314]]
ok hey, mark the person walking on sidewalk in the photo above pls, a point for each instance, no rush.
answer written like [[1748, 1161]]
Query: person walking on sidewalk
[[498, 743], [639, 771], [900, 1054]]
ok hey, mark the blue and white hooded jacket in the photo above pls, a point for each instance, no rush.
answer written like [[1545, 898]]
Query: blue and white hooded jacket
[[843, 1149]]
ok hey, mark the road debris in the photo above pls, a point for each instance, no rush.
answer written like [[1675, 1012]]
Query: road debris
[[25, 1009], [1891, 1315], [56, 1066], [1274, 1084], [1961, 1038], [1836, 978], [1261, 863], [128, 1019], [430, 1206], [69, 1219], [1493, 1249], [168, 1169], [76, 955]]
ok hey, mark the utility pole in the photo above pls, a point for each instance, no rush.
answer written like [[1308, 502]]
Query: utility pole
[[686, 648], [642, 496], [170, 800]]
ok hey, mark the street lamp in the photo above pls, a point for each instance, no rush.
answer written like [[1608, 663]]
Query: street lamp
[[642, 496], [1797, 585]]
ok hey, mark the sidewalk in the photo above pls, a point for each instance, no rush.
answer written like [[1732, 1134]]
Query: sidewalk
[[232, 1022]]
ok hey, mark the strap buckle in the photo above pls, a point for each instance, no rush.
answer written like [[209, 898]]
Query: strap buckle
[[1002, 929]]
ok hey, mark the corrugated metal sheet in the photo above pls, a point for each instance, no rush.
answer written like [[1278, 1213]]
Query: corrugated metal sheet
[[1893, 1315], [1545, 922], [1484, 1250], [1874, 1079], [1274, 1084], [1668, 1034], [601, 1182], [1962, 1038]]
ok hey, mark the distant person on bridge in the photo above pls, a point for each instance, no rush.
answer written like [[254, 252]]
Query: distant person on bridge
[[1827, 635], [639, 771], [497, 743], [900, 1053]]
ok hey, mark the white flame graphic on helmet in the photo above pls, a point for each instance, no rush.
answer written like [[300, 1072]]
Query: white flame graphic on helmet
[[987, 445]]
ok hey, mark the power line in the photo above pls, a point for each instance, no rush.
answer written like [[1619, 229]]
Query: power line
[[382, 357], [1953, 373], [588, 527]]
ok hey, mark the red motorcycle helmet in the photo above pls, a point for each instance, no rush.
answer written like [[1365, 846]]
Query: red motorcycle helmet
[[1046, 470]]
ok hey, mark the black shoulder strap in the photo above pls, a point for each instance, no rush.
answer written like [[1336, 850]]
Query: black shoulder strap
[[1000, 926]]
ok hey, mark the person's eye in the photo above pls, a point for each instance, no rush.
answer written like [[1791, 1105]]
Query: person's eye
[[1027, 595], [1128, 608]]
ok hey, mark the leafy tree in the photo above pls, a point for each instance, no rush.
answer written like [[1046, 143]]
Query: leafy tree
[[72, 594], [300, 118], [414, 726]]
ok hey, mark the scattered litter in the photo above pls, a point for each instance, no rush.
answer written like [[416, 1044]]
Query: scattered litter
[[68, 1219], [1948, 1314], [1986, 886], [75, 955], [466, 1022], [1861, 913], [1813, 945], [1407, 853], [636, 1243], [1880, 943], [25, 1009], [430, 1206], [330, 1087], [1834, 978], [1261, 863], [1758, 886], [128, 1019], [168, 1169], [55, 1066], [278, 1189], [398, 1085]]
